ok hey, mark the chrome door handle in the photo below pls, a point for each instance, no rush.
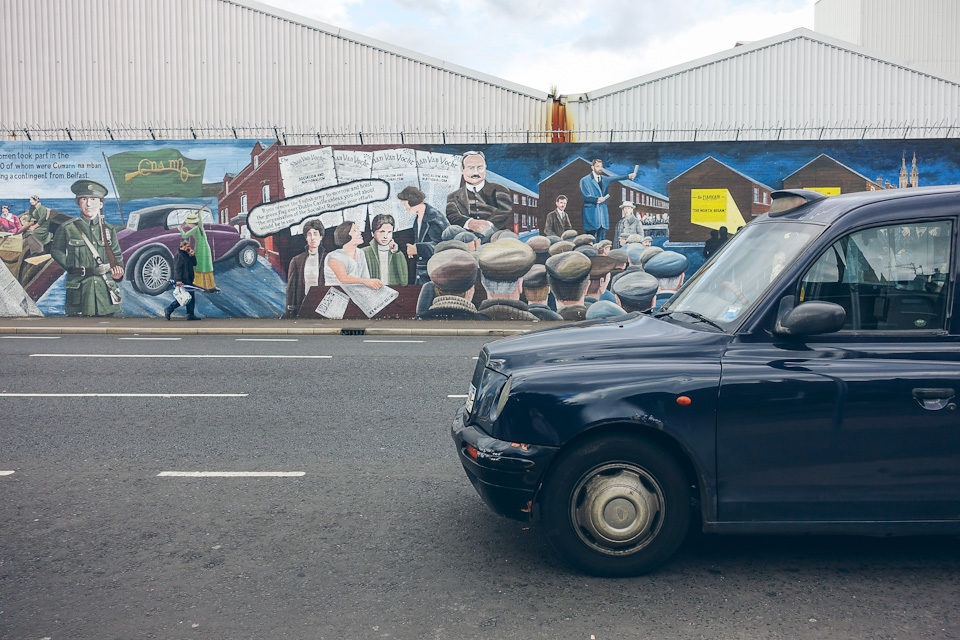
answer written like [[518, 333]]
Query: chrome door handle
[[935, 399]]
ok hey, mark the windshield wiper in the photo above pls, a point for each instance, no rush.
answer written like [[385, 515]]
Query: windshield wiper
[[693, 314]]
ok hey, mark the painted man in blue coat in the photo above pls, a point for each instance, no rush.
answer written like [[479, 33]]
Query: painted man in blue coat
[[593, 188]]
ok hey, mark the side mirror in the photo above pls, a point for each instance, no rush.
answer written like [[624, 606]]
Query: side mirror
[[808, 318]]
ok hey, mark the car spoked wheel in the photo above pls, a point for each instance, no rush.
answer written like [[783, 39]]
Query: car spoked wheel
[[152, 272], [616, 506], [247, 256]]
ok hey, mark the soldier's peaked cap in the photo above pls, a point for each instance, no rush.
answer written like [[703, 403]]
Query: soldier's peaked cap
[[88, 189]]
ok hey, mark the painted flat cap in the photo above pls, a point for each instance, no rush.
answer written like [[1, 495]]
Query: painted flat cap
[[451, 232], [553, 239], [539, 244], [584, 238], [88, 189], [569, 234], [466, 236], [634, 237], [586, 249], [452, 271], [637, 289], [666, 264], [635, 253], [604, 309], [443, 245], [506, 259], [536, 277], [603, 243], [503, 234], [601, 266], [649, 252], [625, 272], [569, 266], [619, 256], [561, 247], [627, 205]]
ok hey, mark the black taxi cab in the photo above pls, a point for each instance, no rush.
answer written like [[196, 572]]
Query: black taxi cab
[[804, 380]]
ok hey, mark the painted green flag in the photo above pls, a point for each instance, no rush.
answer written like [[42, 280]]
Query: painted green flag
[[154, 174]]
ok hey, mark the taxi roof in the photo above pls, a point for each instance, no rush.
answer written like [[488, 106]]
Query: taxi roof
[[826, 210]]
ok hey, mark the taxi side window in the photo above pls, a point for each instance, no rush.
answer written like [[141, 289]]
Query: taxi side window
[[893, 278]]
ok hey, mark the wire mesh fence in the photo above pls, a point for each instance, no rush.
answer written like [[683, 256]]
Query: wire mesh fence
[[296, 137]]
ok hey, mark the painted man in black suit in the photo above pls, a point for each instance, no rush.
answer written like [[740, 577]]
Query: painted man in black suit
[[478, 204]]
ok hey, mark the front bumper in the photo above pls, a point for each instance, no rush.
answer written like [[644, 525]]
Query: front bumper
[[505, 474]]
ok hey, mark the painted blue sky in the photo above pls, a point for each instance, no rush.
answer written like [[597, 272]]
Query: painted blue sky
[[766, 162], [576, 45]]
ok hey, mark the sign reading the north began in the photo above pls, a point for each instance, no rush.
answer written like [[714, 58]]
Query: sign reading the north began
[[156, 174], [714, 208]]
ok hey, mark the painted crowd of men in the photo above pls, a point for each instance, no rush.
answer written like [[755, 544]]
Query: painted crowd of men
[[466, 254]]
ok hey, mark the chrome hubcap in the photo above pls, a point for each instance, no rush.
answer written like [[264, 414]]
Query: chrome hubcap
[[617, 508]]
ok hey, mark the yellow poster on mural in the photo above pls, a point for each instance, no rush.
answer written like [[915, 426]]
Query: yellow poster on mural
[[715, 208], [827, 191]]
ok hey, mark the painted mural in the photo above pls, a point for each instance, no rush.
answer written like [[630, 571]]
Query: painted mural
[[254, 228]]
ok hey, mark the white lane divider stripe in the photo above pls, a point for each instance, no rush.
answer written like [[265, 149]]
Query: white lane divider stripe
[[165, 355], [402, 341], [149, 338], [6, 473], [231, 474], [31, 337], [265, 339], [123, 395], [458, 396]]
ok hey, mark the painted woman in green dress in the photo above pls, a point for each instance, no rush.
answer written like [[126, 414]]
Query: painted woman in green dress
[[192, 227]]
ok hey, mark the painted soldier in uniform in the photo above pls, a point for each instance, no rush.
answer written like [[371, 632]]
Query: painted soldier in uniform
[[478, 204], [88, 250]]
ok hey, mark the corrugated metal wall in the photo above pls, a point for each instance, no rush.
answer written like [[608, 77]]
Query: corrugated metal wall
[[795, 89], [918, 33], [231, 68], [204, 68]]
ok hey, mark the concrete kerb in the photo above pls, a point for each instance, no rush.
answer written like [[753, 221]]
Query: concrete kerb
[[277, 330]]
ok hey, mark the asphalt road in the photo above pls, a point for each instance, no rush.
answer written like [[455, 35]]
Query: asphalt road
[[381, 536]]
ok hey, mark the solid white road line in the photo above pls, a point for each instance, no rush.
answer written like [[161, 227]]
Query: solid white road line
[[231, 474], [161, 355], [265, 339], [404, 341], [6, 473], [458, 396], [31, 337], [123, 395], [148, 338]]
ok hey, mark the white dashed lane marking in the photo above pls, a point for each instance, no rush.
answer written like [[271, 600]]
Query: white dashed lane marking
[[6, 473], [148, 338], [31, 337], [265, 339], [167, 355], [123, 395], [395, 341], [231, 474]]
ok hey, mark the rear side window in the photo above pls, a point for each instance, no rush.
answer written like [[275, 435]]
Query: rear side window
[[893, 278]]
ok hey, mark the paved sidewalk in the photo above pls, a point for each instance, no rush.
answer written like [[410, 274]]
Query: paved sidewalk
[[263, 326]]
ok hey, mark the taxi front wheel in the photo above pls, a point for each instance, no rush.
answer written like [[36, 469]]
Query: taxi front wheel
[[616, 506]]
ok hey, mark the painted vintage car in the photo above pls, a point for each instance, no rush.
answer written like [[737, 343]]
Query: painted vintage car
[[805, 380], [150, 240]]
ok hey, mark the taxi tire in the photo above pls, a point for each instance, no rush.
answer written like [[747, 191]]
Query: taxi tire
[[615, 471]]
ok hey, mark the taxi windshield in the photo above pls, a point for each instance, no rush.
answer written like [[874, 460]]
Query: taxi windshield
[[727, 286]]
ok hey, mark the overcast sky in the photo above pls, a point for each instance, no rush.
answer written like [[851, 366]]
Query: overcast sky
[[575, 45]]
